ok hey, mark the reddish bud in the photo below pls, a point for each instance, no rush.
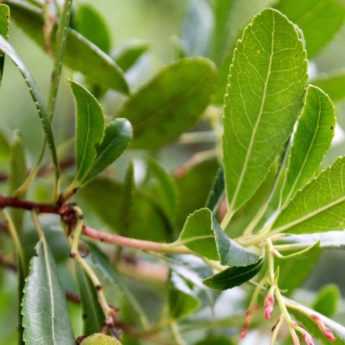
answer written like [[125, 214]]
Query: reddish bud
[[269, 305], [308, 339], [247, 320], [323, 328]]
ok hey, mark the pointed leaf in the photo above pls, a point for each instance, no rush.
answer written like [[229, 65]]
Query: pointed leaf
[[8, 50], [327, 300], [117, 135], [233, 276], [264, 95], [45, 316], [89, 129], [93, 316], [80, 54], [217, 191], [171, 102], [333, 85], [311, 141], [311, 15], [90, 23], [182, 299], [319, 207], [202, 234]]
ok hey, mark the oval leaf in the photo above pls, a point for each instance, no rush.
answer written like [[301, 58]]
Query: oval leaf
[[45, 315], [170, 103], [233, 276], [117, 135], [311, 141], [89, 129], [80, 54], [264, 95], [320, 206]]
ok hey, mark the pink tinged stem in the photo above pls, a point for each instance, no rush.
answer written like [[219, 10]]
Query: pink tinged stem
[[323, 328]]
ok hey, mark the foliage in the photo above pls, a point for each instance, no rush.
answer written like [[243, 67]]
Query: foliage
[[252, 210]]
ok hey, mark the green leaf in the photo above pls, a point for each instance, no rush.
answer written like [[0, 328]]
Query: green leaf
[[166, 107], [215, 340], [319, 207], [100, 339], [80, 54], [4, 24], [264, 93], [45, 316], [197, 28], [117, 135], [93, 317], [311, 141], [333, 85], [8, 50], [310, 16], [217, 191], [188, 181], [90, 23], [182, 299], [233, 276], [294, 271], [146, 221], [327, 300], [128, 54], [89, 129], [202, 234]]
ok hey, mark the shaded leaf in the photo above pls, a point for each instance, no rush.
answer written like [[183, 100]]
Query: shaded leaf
[[90, 23], [264, 95], [80, 54], [197, 28], [311, 141], [128, 54], [202, 234], [215, 340], [333, 85], [45, 316], [327, 300], [233, 276], [319, 207], [89, 129], [170, 103], [217, 191], [4, 25], [93, 317], [311, 15], [182, 299], [117, 135]]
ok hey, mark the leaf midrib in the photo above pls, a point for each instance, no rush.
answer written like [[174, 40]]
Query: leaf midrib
[[258, 120]]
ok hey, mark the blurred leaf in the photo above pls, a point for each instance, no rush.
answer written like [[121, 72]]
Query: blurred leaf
[[311, 141], [4, 24], [128, 54], [327, 300], [202, 234], [8, 50], [117, 135], [319, 207], [45, 316], [105, 199], [333, 85], [93, 317], [233, 276], [89, 129], [194, 182], [5, 147], [311, 15], [170, 103], [197, 28], [100, 339], [80, 54], [294, 271], [182, 299], [217, 191], [273, 58], [90, 23], [215, 340], [162, 189]]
